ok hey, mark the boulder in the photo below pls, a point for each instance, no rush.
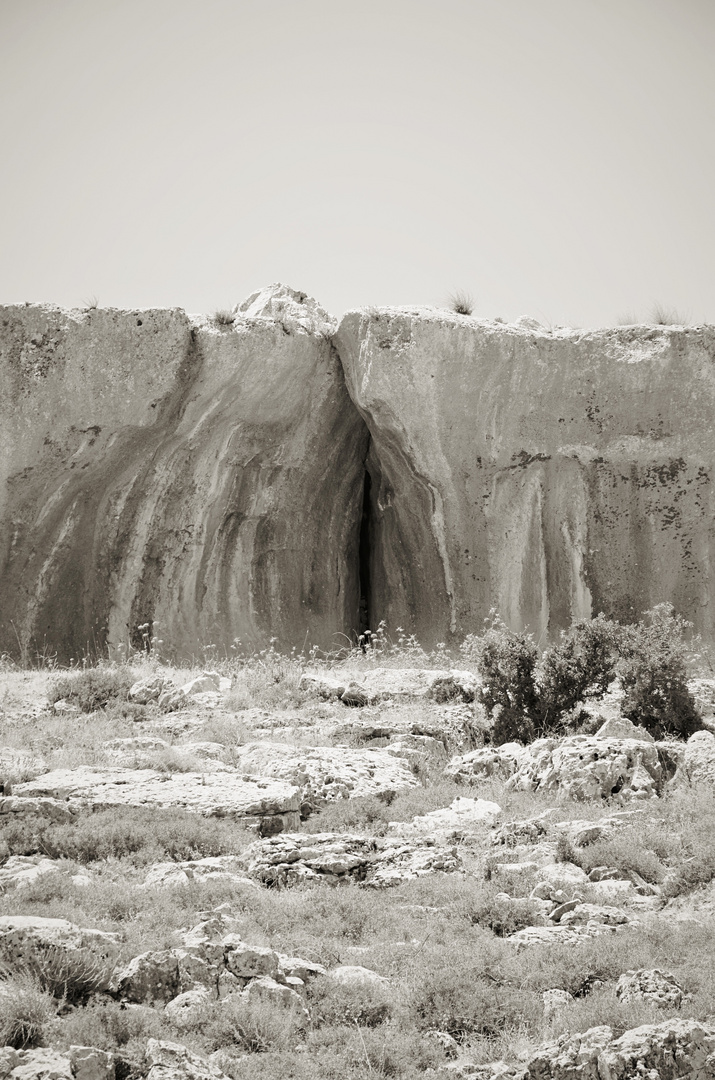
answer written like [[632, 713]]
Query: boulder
[[698, 761], [463, 818], [500, 762], [23, 870], [555, 1001], [42, 1064], [589, 767], [88, 1063], [673, 1050], [271, 805], [149, 688], [24, 937], [212, 868], [172, 1061], [353, 975], [54, 809], [654, 985]]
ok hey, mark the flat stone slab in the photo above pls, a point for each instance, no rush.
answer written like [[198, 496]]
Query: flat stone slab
[[272, 804], [328, 772]]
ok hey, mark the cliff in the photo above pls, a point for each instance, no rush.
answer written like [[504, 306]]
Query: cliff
[[162, 469], [551, 475], [274, 476]]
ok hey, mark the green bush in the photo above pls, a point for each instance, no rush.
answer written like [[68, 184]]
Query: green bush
[[93, 688], [653, 674]]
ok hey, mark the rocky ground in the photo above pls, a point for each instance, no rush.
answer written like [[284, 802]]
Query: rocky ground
[[283, 871]]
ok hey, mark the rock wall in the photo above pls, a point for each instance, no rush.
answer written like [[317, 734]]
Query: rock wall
[[551, 475], [157, 468], [256, 479]]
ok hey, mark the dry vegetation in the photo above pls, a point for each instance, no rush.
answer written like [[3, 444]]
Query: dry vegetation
[[440, 942]]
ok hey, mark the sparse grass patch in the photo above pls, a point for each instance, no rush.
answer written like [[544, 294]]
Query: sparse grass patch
[[93, 688], [25, 1011], [224, 317], [663, 315], [142, 836]]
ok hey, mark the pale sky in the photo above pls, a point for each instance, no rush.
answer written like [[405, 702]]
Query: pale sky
[[554, 158]]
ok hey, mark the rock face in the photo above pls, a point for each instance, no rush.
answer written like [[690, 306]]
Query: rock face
[[676, 1048], [162, 469], [549, 475], [269, 477]]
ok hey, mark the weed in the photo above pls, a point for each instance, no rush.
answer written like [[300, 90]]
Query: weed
[[661, 315], [93, 688], [25, 1010], [224, 317], [461, 303]]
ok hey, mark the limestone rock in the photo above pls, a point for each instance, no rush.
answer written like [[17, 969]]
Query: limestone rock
[[23, 870], [42, 1064], [212, 868], [273, 805], [555, 1001], [698, 763], [354, 975], [673, 1050], [378, 862], [622, 728], [251, 961], [23, 937], [88, 1063], [149, 689], [496, 481], [234, 451], [172, 1061], [462, 818], [53, 809], [588, 767], [182, 1004], [650, 985], [151, 977], [264, 988], [384, 683], [497, 761], [327, 772]]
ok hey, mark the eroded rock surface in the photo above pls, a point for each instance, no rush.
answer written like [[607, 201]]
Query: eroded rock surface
[[273, 805], [159, 468], [542, 473]]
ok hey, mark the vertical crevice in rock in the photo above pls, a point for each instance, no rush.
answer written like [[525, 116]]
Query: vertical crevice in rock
[[365, 554]]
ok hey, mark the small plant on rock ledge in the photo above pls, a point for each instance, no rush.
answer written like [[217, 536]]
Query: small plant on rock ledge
[[461, 303]]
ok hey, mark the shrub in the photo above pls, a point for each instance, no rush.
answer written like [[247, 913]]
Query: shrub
[[253, 1026], [224, 317], [583, 661], [94, 688], [25, 1010], [331, 1003], [461, 303], [653, 674], [506, 662], [70, 975], [502, 915]]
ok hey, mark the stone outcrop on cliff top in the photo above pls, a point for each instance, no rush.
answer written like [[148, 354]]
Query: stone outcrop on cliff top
[[277, 478]]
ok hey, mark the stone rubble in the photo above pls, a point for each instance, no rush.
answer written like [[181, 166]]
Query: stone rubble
[[377, 862], [673, 1050]]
